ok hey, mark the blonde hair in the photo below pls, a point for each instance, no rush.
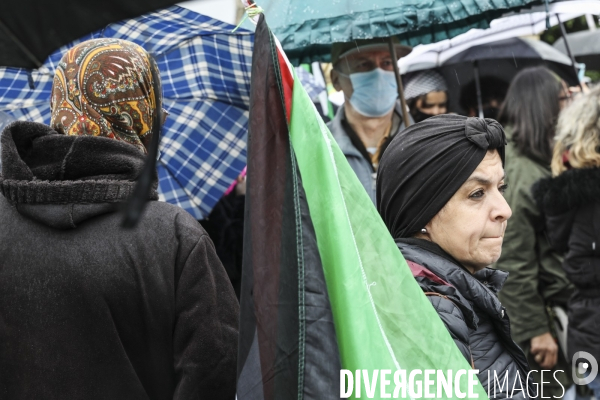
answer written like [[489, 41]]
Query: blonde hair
[[578, 131]]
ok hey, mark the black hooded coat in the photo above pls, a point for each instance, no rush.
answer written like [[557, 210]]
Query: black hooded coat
[[570, 203], [89, 310]]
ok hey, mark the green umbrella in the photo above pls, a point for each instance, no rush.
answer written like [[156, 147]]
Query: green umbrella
[[307, 28]]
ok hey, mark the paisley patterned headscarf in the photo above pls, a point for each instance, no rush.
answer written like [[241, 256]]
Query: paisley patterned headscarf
[[104, 87]]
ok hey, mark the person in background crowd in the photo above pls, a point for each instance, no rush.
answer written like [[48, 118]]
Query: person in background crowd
[[493, 92], [440, 193], [225, 226], [570, 202], [426, 95], [536, 280], [90, 310], [371, 115]]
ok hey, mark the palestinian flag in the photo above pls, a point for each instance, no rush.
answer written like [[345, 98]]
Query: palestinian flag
[[324, 285]]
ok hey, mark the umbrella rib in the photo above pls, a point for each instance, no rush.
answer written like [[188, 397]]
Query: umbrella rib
[[20, 44]]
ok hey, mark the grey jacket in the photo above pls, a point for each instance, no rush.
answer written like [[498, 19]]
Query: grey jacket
[[469, 307], [362, 167], [89, 310]]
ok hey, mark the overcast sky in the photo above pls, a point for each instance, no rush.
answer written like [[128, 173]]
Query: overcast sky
[[223, 10]]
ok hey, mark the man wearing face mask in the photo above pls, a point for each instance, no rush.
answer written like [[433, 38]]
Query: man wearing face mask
[[371, 114]]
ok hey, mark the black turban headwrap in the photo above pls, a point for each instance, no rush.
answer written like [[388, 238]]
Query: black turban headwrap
[[427, 163]]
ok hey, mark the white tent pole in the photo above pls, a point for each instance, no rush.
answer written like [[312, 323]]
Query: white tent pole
[[590, 22]]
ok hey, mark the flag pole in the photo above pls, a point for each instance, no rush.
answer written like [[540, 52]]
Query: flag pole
[[399, 82]]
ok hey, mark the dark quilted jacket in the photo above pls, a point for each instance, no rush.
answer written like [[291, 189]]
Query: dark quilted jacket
[[469, 307]]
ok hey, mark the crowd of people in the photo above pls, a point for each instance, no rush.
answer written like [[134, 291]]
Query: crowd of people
[[503, 212]]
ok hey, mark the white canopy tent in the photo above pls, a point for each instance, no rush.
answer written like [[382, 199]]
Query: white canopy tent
[[526, 23]]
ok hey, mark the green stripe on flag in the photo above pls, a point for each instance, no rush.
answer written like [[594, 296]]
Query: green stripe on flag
[[382, 318]]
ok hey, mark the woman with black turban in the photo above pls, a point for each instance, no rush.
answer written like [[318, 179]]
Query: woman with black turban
[[440, 193]]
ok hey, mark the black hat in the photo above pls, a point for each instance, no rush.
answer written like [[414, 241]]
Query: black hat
[[344, 49]]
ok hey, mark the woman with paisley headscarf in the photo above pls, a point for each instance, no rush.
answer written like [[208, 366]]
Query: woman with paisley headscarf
[[89, 310], [440, 192]]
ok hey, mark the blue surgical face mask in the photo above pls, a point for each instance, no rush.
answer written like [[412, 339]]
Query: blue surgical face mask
[[375, 92]]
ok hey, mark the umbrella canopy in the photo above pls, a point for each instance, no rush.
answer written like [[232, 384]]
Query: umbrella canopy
[[502, 59], [526, 24], [515, 48], [585, 47], [205, 72], [307, 28], [32, 29]]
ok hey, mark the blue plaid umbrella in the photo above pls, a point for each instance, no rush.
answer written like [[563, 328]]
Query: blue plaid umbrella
[[309, 83], [205, 71]]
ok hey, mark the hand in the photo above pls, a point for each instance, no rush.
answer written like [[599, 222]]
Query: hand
[[576, 90], [544, 350], [240, 188]]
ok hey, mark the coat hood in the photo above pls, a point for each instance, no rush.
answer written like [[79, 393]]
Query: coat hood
[[62, 181], [571, 189]]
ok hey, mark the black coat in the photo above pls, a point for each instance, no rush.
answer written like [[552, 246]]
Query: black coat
[[571, 204], [469, 307], [89, 310], [225, 226]]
